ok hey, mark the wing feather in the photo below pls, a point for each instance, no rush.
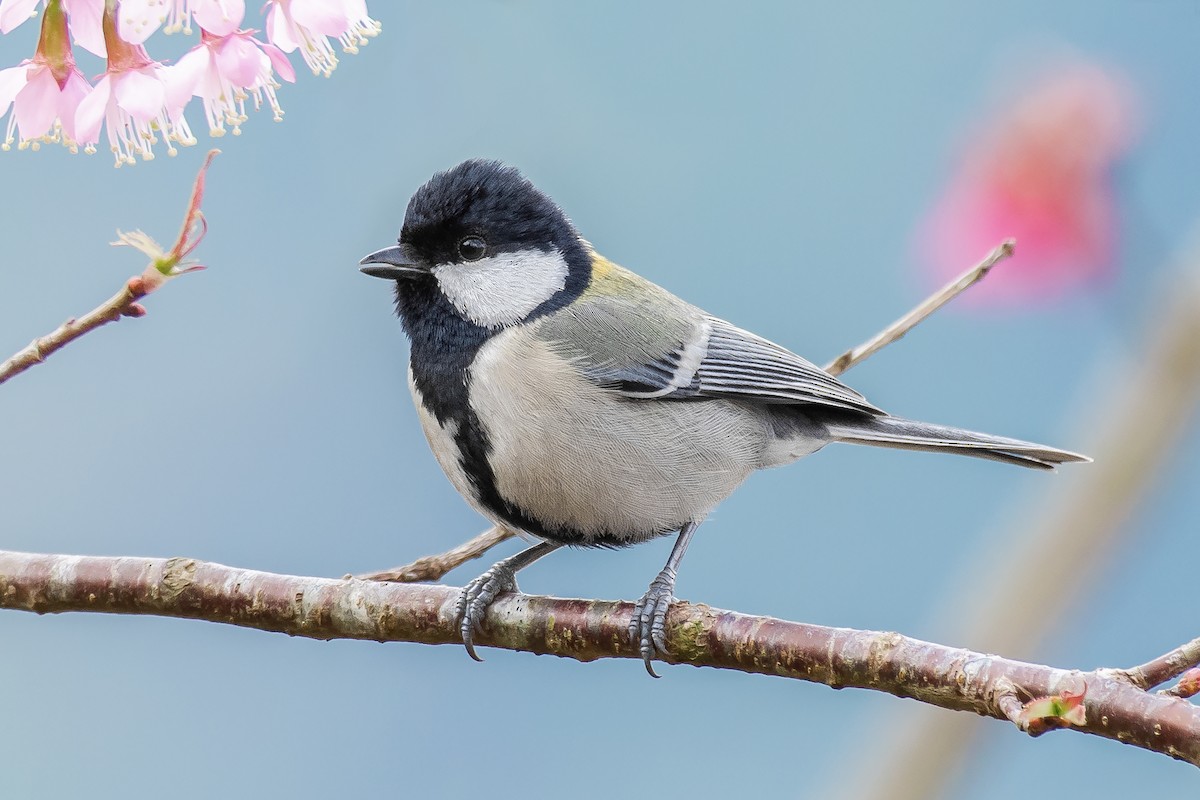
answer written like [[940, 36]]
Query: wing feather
[[633, 337], [741, 364]]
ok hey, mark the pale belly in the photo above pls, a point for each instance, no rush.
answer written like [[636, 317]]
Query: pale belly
[[597, 467]]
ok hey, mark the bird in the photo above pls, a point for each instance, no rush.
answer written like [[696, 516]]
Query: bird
[[579, 404]]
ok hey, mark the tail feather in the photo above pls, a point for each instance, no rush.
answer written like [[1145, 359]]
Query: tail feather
[[907, 434]]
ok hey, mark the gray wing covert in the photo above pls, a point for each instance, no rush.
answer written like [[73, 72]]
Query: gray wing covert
[[638, 340], [659, 347]]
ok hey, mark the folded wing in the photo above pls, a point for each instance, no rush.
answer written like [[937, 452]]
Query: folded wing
[[650, 345]]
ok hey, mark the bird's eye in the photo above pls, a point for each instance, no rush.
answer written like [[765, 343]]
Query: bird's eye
[[472, 248]]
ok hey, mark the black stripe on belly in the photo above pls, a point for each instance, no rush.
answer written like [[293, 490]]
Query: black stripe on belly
[[444, 345]]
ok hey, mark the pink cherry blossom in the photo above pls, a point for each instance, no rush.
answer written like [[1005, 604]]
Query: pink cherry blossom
[[138, 100], [85, 18], [135, 101], [1043, 175], [308, 25], [226, 71], [43, 110], [44, 91]]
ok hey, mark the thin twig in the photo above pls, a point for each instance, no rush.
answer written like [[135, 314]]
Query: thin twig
[[585, 630], [1167, 666], [162, 266], [900, 327], [430, 568], [122, 304], [1188, 686]]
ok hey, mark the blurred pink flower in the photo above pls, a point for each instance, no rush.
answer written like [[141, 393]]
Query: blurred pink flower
[[308, 25], [138, 19], [1042, 174], [44, 91], [85, 16], [225, 71], [135, 100]]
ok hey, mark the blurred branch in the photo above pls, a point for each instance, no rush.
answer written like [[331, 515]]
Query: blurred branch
[[1048, 557], [163, 266], [322, 608], [431, 568]]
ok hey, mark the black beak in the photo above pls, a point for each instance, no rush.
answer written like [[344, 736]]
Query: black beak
[[394, 263]]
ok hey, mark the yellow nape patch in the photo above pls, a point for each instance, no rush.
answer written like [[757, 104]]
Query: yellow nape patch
[[601, 266], [607, 277]]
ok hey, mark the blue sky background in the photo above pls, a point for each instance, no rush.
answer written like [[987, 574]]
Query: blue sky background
[[769, 164]]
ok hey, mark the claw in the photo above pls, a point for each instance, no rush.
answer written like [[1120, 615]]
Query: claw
[[473, 603], [470, 645], [467, 624], [648, 623], [477, 595]]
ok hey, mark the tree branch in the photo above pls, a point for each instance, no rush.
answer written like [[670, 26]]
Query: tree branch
[[585, 630], [431, 568]]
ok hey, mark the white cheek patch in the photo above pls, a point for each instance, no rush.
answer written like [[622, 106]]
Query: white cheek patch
[[502, 290]]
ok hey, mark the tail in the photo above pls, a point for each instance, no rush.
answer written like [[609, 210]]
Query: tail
[[907, 434]]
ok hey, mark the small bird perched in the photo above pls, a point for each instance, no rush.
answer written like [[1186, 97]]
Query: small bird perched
[[573, 401]]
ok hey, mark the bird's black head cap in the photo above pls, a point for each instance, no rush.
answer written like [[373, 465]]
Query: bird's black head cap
[[492, 201]]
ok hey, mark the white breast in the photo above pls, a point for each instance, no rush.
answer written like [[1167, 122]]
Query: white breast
[[578, 457]]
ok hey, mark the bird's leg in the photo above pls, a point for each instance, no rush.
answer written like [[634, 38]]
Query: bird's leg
[[478, 594], [648, 625]]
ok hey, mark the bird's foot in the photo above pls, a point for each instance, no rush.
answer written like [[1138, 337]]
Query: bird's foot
[[477, 596], [648, 626]]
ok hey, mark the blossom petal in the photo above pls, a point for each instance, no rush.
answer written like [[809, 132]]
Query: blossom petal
[[239, 61], [73, 93], [140, 93], [219, 17], [182, 79], [11, 82], [14, 12], [280, 30], [137, 19], [90, 114], [324, 17], [279, 61], [87, 27], [36, 105]]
